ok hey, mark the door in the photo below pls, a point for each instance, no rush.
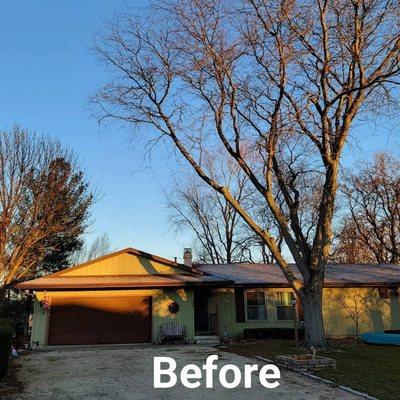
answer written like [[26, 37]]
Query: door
[[100, 320], [201, 316]]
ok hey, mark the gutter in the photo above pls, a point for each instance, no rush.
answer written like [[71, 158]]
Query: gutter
[[149, 285]]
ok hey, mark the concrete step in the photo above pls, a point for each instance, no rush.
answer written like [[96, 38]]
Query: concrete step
[[207, 340]]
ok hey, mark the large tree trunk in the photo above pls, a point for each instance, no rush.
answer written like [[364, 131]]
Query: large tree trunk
[[311, 303]]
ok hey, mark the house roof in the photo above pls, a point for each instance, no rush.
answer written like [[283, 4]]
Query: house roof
[[217, 275], [122, 281], [181, 278], [337, 275]]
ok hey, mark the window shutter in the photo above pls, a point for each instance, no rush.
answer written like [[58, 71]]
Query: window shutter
[[239, 300], [383, 292]]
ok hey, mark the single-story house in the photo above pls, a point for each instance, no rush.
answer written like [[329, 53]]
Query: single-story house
[[126, 296]]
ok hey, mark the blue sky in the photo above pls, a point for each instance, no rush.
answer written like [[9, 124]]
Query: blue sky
[[46, 75]]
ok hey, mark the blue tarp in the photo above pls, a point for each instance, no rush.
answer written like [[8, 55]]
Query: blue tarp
[[392, 339]]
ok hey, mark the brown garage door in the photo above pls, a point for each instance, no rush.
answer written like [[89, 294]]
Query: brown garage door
[[97, 320]]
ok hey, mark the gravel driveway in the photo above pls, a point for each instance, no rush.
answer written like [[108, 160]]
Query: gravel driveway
[[127, 373]]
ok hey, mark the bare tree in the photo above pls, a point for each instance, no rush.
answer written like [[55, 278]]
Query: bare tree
[[349, 247], [100, 246], [258, 77], [43, 196], [221, 236], [371, 230]]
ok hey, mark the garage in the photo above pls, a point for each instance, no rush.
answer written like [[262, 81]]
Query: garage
[[99, 320], [122, 297]]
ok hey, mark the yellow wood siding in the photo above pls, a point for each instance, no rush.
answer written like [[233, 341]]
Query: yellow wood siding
[[123, 264]]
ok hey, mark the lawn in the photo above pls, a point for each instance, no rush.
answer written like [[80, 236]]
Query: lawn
[[374, 370]]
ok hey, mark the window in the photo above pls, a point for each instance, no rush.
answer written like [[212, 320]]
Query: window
[[256, 305], [383, 292], [284, 307], [391, 292]]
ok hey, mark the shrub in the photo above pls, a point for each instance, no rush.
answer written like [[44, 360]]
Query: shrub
[[6, 336], [271, 333]]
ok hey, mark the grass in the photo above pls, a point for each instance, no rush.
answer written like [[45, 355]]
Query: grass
[[374, 370]]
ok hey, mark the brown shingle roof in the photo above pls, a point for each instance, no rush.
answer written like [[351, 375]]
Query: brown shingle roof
[[121, 281], [221, 275], [336, 274]]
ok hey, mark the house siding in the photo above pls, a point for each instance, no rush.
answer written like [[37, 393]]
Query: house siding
[[160, 300], [39, 324], [375, 314], [185, 315], [378, 314], [227, 314], [123, 264]]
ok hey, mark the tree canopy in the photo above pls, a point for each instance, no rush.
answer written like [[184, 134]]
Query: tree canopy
[[45, 204]]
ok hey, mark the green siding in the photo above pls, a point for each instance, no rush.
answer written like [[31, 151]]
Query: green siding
[[39, 327], [380, 314], [377, 314], [227, 314], [185, 314], [374, 314]]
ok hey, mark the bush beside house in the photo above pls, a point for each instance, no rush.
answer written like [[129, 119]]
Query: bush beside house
[[272, 333], [6, 336]]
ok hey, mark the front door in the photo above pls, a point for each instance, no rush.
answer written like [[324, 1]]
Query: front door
[[201, 316]]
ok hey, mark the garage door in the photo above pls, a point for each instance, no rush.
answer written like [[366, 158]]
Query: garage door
[[98, 320]]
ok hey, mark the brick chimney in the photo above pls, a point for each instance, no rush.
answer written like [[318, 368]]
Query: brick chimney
[[187, 257]]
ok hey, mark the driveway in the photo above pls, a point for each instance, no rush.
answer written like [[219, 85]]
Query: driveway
[[127, 373]]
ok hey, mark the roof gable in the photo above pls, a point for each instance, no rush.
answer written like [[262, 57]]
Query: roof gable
[[124, 269], [125, 262]]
